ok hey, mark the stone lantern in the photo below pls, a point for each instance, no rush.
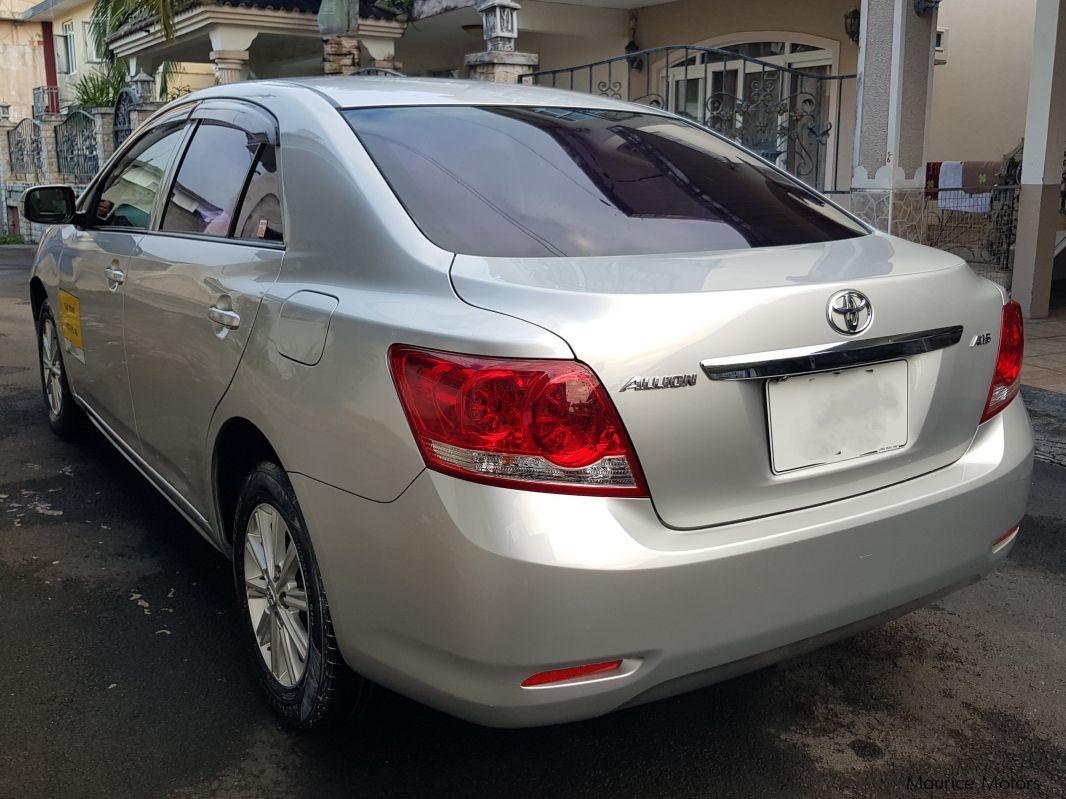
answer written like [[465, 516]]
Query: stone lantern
[[499, 19], [499, 62], [144, 85]]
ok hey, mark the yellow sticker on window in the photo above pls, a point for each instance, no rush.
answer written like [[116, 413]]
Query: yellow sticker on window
[[70, 318]]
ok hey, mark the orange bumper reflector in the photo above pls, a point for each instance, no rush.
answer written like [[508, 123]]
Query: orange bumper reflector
[[561, 675], [1005, 539]]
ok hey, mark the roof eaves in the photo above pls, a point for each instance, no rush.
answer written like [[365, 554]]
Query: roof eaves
[[300, 6], [46, 9]]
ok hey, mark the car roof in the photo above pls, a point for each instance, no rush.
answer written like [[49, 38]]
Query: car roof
[[359, 91]]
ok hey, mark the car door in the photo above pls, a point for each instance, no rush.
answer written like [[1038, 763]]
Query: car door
[[96, 259], [195, 285]]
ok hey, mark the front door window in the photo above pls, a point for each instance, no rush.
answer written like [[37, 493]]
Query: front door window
[[129, 191]]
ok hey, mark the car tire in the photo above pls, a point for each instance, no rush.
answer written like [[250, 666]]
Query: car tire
[[64, 416], [283, 603]]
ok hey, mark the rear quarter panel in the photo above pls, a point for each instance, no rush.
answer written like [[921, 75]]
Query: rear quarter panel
[[340, 421]]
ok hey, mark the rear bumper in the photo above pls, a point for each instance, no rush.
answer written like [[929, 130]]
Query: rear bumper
[[456, 592]]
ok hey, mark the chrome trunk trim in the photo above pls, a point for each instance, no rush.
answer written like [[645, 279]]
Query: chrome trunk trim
[[826, 357]]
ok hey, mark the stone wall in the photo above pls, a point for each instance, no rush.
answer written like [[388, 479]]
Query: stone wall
[[13, 184]]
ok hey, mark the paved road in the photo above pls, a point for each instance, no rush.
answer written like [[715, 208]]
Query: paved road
[[120, 675]]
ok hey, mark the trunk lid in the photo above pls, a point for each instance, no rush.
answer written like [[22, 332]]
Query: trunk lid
[[705, 445]]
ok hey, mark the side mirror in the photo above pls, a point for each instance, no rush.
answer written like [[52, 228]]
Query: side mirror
[[49, 205]]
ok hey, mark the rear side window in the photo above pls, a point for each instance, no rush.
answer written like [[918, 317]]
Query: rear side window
[[210, 179], [523, 181], [260, 213]]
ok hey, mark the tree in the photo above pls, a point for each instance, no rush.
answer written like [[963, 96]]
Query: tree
[[110, 15]]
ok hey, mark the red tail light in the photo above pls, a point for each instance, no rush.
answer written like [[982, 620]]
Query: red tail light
[[1006, 382], [545, 425]]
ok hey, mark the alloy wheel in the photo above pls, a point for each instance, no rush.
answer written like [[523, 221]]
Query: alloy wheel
[[51, 367], [277, 595]]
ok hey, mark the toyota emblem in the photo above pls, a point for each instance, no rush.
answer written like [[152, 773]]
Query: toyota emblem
[[849, 312]]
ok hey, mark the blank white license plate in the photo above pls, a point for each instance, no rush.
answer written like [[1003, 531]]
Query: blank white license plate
[[837, 416]]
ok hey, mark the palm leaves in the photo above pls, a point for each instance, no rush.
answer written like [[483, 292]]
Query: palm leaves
[[110, 15], [100, 88]]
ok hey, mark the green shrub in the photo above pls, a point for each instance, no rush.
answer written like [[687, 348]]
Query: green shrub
[[99, 89], [11, 238], [176, 92]]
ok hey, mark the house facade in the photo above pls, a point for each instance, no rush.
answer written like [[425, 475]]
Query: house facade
[[22, 59], [980, 79], [864, 99], [76, 54]]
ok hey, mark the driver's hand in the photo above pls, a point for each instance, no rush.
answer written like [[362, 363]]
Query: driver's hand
[[103, 210]]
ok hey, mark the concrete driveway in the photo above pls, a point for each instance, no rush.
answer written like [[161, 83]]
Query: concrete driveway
[[121, 675]]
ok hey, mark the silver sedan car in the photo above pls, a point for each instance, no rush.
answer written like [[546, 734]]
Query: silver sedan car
[[527, 404]]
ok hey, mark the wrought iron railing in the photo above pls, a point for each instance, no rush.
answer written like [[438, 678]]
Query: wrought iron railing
[[978, 225], [45, 100], [379, 72], [788, 115], [76, 155], [25, 154], [122, 125]]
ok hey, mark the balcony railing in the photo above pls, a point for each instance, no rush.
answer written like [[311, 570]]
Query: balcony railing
[[45, 100]]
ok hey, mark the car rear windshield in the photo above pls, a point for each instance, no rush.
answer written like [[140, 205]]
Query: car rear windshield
[[526, 181]]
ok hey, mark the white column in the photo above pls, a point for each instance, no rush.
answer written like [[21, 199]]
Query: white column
[[1045, 134], [229, 65], [896, 49], [229, 51]]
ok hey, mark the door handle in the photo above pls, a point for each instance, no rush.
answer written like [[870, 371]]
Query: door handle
[[115, 275], [224, 317]]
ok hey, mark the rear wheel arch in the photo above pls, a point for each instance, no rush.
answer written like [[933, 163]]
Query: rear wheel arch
[[239, 447]]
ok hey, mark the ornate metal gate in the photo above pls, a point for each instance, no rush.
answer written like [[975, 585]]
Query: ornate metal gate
[[788, 115], [126, 101], [76, 146], [24, 150]]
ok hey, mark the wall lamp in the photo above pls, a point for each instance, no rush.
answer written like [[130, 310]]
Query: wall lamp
[[851, 24], [635, 61]]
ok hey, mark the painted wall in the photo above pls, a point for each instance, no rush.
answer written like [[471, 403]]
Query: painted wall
[[568, 35], [980, 94], [21, 62], [563, 35], [189, 75], [21, 57], [84, 58]]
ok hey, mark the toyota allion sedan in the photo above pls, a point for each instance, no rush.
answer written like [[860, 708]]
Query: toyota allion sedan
[[527, 404]]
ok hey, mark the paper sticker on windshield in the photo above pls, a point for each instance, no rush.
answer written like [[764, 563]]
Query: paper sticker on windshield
[[70, 321], [261, 231]]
